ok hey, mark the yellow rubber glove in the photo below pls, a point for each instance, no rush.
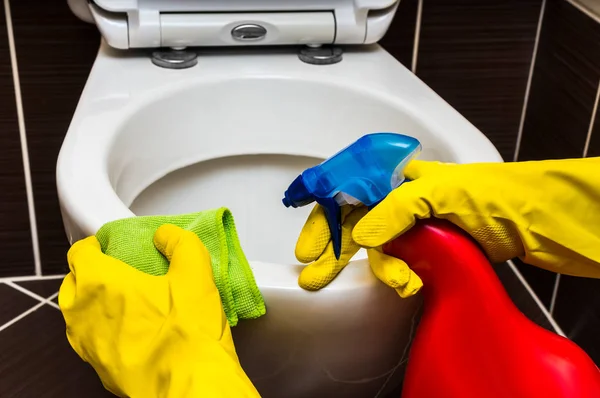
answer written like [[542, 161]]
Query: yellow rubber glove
[[152, 336], [546, 212], [315, 246]]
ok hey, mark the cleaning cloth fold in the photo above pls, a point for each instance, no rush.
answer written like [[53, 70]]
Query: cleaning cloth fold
[[131, 241]]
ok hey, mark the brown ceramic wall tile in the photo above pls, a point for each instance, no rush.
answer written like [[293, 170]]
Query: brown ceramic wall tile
[[476, 55], [37, 361], [577, 311], [55, 53], [400, 37], [564, 84], [15, 235]]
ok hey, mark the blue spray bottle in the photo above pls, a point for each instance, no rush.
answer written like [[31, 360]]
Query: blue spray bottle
[[364, 172]]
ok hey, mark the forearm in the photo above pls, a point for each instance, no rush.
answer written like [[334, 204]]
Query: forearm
[[563, 231]]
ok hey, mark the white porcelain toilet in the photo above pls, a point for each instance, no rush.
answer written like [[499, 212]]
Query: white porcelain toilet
[[234, 130]]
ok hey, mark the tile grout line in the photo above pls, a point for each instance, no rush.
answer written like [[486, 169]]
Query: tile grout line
[[31, 278], [32, 294], [417, 37], [554, 294], [529, 80], [21, 316], [588, 138], [29, 311], [24, 148], [52, 303], [537, 300], [585, 10]]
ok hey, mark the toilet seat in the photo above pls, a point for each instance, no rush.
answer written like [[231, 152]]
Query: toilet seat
[[126, 24], [137, 123]]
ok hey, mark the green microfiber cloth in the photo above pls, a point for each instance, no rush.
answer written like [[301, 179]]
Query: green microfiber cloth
[[131, 241]]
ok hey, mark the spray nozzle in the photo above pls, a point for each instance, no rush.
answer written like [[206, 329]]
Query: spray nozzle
[[363, 173]]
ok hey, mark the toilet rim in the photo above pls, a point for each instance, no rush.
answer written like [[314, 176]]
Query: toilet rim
[[84, 159], [84, 156]]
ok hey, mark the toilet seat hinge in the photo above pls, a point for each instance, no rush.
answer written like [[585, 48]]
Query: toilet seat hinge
[[174, 58], [321, 55]]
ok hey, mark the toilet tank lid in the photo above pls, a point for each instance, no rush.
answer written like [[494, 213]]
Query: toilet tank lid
[[138, 23]]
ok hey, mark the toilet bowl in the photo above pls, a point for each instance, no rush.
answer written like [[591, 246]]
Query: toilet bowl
[[234, 131]]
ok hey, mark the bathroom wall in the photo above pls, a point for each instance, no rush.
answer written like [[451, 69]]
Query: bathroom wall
[[561, 121], [476, 54]]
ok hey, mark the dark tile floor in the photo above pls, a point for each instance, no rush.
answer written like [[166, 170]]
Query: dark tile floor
[[13, 303], [37, 361], [35, 357], [44, 288]]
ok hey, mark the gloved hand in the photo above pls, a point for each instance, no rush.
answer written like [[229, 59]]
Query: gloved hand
[[152, 336], [315, 246], [546, 212]]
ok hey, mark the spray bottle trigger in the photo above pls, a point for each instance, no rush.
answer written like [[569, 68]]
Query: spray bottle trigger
[[333, 213]]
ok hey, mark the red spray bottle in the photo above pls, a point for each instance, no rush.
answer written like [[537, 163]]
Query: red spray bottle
[[472, 342]]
